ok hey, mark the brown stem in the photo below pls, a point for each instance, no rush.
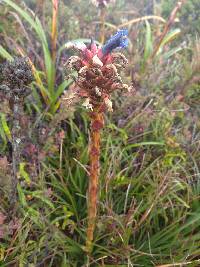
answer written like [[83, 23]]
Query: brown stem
[[94, 154]]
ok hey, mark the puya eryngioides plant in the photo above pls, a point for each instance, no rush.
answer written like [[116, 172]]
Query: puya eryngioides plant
[[98, 77], [16, 75]]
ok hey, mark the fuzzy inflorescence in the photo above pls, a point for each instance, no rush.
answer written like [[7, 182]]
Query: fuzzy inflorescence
[[98, 70]]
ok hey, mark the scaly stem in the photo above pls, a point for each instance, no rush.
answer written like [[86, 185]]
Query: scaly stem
[[17, 144], [94, 154]]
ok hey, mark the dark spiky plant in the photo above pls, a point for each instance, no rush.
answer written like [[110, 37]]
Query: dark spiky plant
[[98, 77], [16, 75]]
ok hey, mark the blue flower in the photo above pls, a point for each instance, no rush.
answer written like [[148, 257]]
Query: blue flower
[[119, 40]]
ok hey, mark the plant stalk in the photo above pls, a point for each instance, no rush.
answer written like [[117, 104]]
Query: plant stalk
[[102, 19], [17, 145], [97, 123], [54, 29]]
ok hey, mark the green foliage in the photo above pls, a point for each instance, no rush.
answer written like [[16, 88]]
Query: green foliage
[[147, 216]]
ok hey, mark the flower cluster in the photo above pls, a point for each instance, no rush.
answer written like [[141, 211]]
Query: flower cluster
[[102, 3], [97, 69]]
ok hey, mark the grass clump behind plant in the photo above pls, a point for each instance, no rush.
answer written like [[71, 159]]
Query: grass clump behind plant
[[148, 207]]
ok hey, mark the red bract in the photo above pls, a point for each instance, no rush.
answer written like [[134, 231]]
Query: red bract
[[98, 73]]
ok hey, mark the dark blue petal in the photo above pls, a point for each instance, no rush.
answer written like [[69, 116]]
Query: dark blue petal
[[119, 40]]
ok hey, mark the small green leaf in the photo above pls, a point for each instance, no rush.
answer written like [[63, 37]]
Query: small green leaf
[[23, 173], [6, 127], [5, 54], [148, 42], [21, 196]]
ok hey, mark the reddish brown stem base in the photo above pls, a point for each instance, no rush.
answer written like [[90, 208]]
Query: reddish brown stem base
[[94, 154]]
